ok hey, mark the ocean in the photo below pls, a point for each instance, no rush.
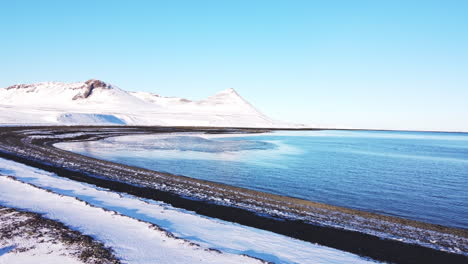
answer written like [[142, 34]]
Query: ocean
[[415, 175]]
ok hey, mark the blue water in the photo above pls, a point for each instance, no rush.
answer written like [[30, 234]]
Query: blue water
[[415, 175]]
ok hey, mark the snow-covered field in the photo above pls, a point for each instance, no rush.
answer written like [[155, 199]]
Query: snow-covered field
[[144, 231], [22, 247], [27, 237], [97, 103], [133, 241]]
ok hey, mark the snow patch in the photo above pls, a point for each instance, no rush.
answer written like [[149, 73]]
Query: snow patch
[[96, 119]]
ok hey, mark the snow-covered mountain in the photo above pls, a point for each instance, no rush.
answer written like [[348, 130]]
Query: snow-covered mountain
[[95, 102]]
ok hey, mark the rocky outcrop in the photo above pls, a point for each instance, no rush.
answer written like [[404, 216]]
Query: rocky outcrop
[[89, 86], [19, 86]]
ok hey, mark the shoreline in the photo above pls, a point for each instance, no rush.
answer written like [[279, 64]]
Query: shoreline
[[305, 220], [45, 125]]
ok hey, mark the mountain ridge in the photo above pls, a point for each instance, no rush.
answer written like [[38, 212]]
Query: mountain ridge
[[95, 102]]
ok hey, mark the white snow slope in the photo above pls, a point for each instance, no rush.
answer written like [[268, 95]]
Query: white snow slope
[[98, 103], [124, 223]]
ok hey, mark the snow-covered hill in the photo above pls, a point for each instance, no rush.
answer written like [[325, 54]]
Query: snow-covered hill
[[95, 102]]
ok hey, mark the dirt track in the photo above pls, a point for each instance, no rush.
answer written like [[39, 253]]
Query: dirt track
[[319, 223]]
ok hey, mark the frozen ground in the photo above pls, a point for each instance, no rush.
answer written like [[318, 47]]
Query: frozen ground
[[21, 247], [27, 237], [140, 231], [133, 241]]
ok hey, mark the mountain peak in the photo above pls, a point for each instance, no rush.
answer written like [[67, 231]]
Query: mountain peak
[[229, 91], [97, 83]]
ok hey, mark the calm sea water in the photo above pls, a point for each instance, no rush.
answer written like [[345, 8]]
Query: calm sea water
[[415, 175]]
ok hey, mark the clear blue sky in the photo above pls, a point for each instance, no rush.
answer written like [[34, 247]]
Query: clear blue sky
[[362, 64]]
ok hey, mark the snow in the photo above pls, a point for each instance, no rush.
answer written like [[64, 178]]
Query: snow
[[42, 253], [24, 248], [85, 119], [134, 241], [54, 103], [137, 241]]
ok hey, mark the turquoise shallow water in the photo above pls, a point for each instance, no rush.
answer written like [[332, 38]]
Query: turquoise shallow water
[[415, 175]]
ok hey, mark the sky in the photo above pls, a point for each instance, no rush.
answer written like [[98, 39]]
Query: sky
[[346, 64]]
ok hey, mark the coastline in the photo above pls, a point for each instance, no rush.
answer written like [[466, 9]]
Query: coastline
[[328, 225]]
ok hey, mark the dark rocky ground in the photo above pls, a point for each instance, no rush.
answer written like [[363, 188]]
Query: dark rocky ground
[[363, 233]]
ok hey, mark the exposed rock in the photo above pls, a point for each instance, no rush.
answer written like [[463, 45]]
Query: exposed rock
[[89, 86], [19, 86]]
